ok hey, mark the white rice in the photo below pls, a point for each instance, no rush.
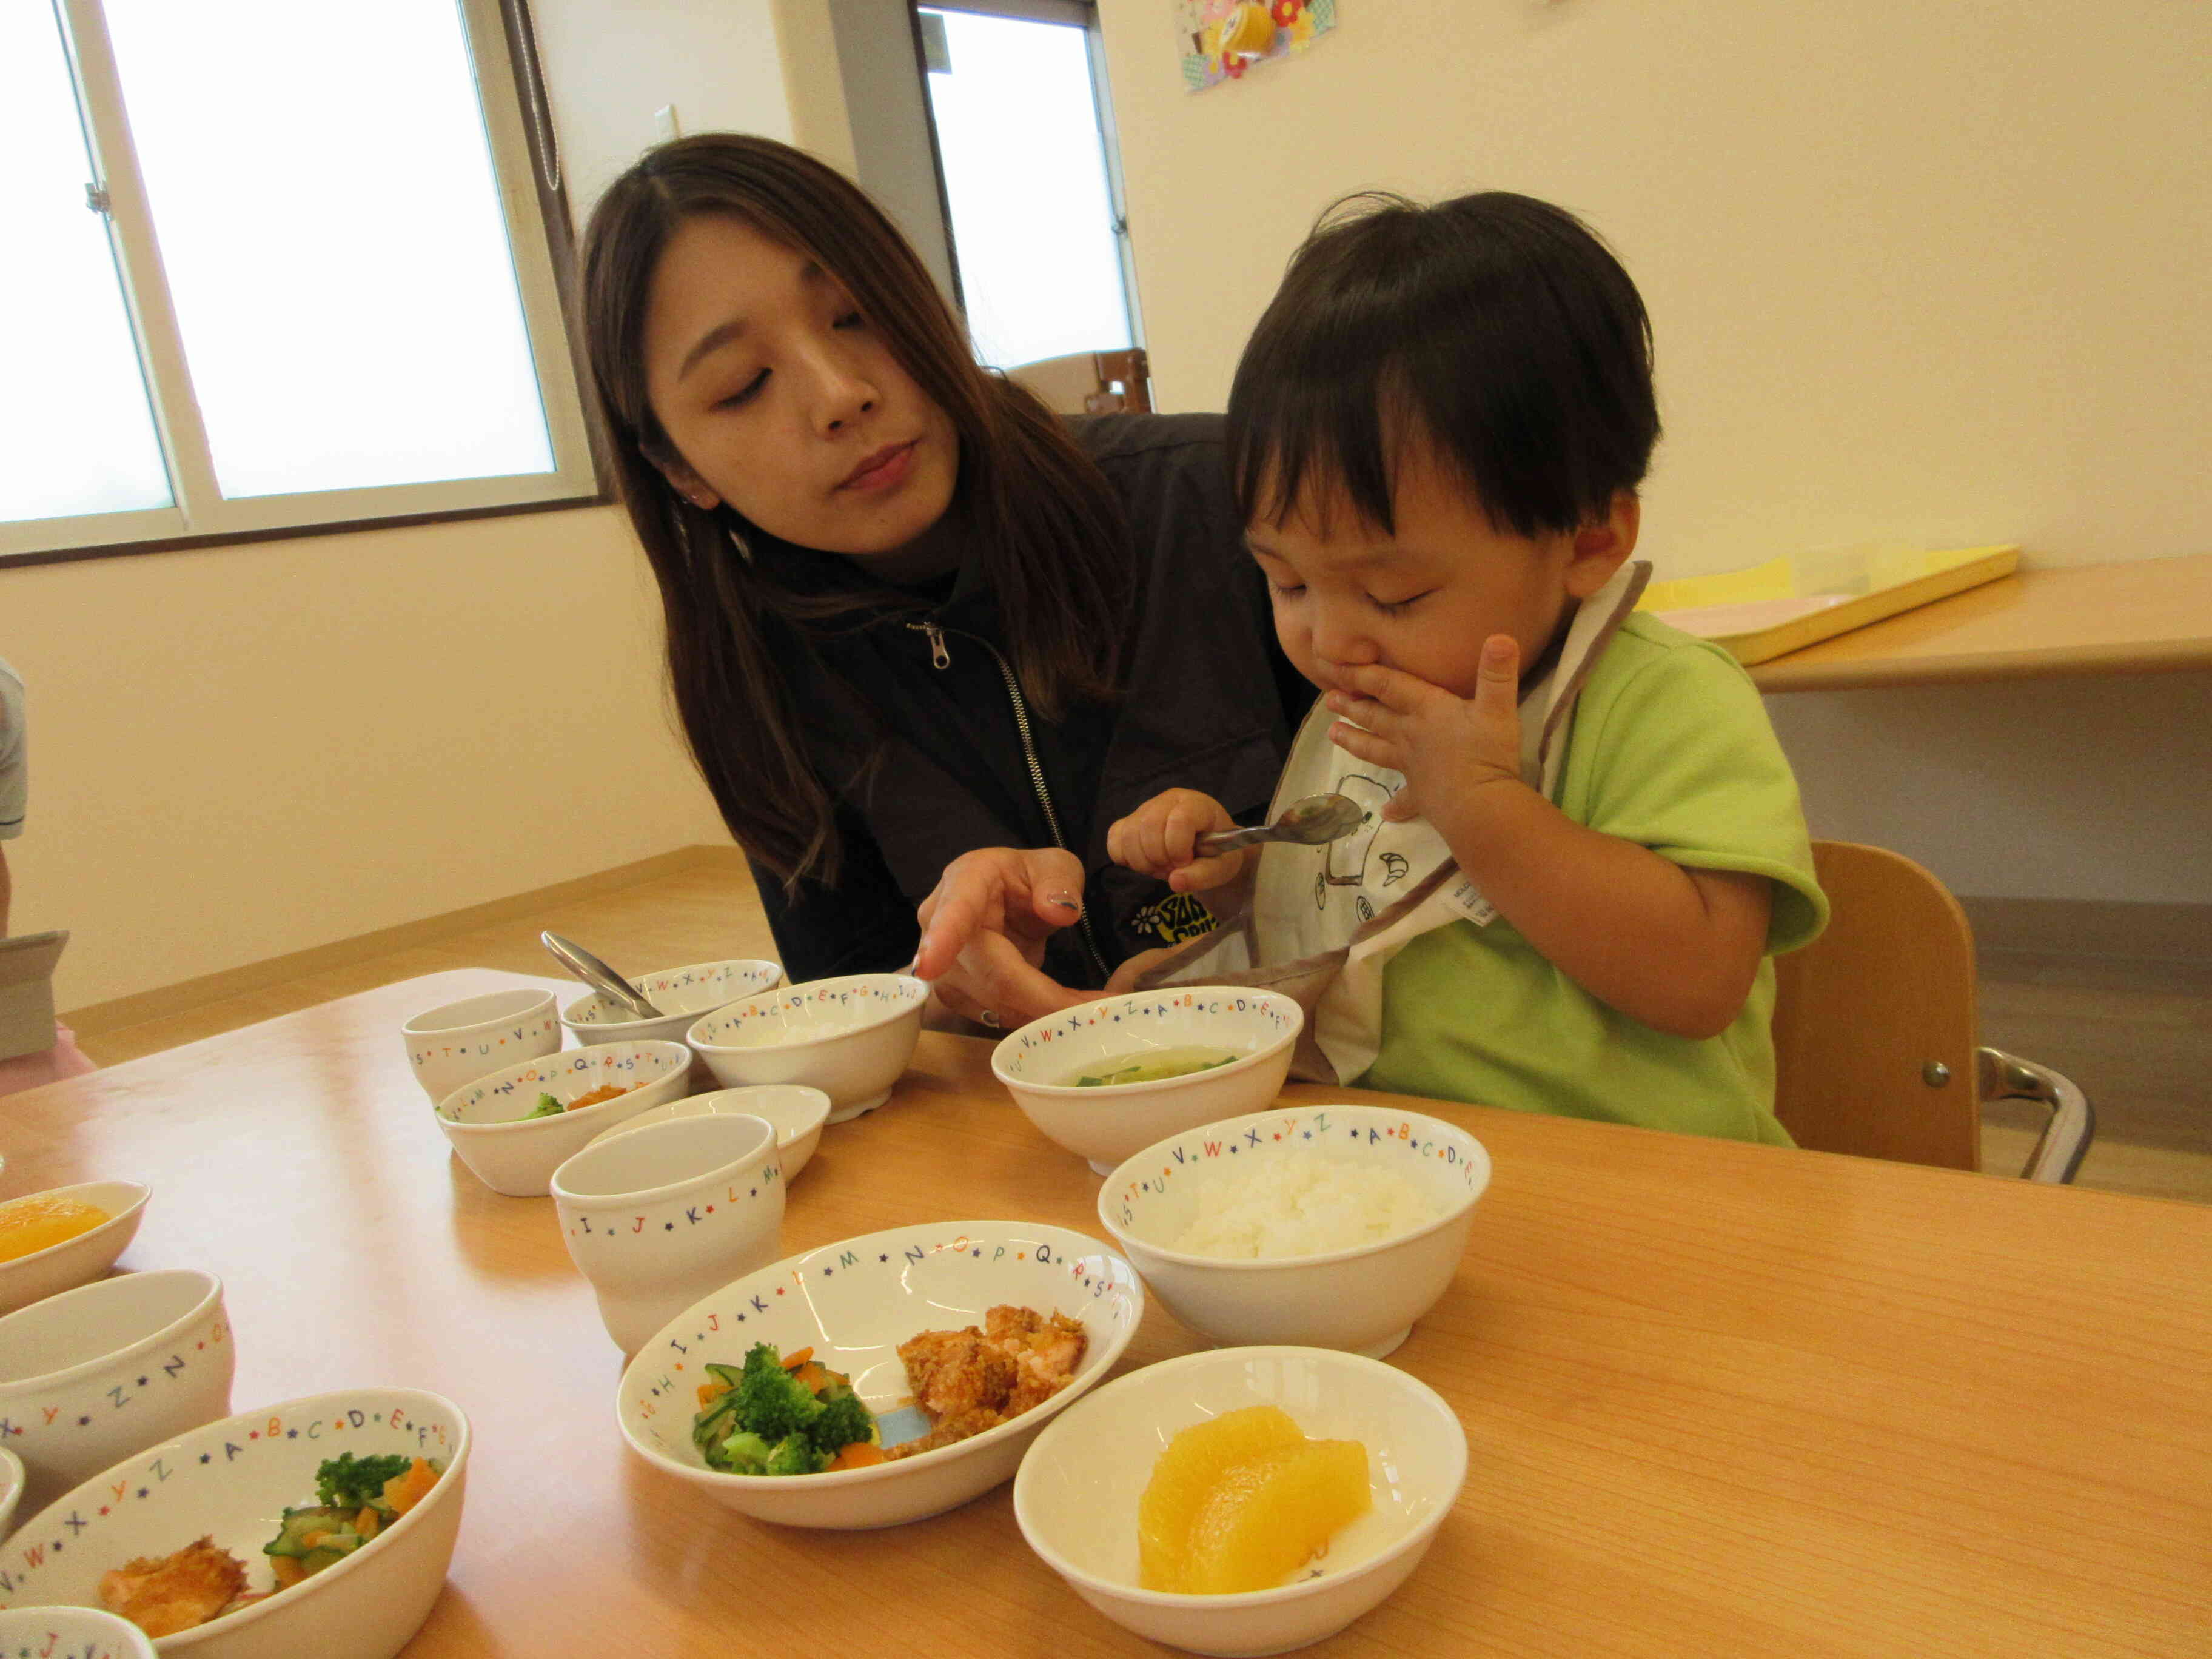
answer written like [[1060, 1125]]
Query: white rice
[[1302, 1206]]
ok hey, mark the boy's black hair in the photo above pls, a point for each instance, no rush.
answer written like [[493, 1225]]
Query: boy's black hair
[[1498, 326]]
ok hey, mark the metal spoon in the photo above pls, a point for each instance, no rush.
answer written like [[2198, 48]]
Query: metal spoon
[[600, 977], [1307, 822]]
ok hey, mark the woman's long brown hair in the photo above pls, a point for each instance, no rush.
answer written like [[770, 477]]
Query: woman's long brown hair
[[1044, 526]]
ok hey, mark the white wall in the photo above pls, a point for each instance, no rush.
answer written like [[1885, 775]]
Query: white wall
[[1918, 272], [610, 64], [242, 751]]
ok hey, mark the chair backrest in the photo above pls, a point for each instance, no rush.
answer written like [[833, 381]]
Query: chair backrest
[[1090, 382], [1866, 1015]]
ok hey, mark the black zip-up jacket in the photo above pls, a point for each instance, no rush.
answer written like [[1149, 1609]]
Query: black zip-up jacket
[[1210, 705]]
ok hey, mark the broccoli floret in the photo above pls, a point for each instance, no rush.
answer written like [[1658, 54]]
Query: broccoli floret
[[842, 1420], [795, 1455], [348, 1482], [771, 1402], [548, 1106], [744, 1454]]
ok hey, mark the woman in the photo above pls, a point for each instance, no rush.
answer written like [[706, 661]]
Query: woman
[[912, 615]]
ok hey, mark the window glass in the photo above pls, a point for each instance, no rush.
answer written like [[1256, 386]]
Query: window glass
[[1025, 175], [77, 432], [330, 227]]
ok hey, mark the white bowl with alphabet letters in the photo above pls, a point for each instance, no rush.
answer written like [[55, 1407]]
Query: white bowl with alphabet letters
[[513, 1141], [852, 1302], [71, 1634], [90, 1375], [231, 1482], [1364, 1298]]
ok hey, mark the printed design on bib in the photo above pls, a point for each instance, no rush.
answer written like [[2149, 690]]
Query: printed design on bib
[[1172, 920], [1347, 858]]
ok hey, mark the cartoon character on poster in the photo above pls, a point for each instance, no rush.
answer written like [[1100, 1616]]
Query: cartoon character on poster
[[1222, 38]]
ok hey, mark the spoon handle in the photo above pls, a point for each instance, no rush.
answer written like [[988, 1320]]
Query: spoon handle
[[1228, 841], [596, 974]]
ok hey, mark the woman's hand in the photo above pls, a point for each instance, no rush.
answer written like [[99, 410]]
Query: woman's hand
[[983, 931], [1160, 839]]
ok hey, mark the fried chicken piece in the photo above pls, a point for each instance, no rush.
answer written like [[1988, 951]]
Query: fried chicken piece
[[971, 1380], [954, 1373], [1045, 1352], [163, 1595]]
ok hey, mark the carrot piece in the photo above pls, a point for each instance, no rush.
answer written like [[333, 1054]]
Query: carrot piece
[[811, 1377], [288, 1570], [856, 1455], [710, 1392], [403, 1492], [799, 1357], [367, 1523]]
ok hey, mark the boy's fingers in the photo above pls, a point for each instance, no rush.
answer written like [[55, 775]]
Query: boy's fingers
[[1202, 874], [1365, 745], [1498, 681]]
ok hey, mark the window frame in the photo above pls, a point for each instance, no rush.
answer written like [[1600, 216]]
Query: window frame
[[534, 214]]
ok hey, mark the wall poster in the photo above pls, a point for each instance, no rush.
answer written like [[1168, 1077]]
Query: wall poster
[[1223, 39]]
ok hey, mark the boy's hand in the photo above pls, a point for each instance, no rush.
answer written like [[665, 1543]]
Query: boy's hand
[[1158, 839], [1447, 746]]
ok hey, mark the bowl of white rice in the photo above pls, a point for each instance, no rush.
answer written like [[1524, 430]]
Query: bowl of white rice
[[1320, 1226]]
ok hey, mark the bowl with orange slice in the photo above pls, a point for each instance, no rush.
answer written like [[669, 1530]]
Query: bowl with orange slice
[[1246, 1500], [57, 1240]]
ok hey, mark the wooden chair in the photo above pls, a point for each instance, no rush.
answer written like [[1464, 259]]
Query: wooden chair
[[1090, 382], [1876, 1035]]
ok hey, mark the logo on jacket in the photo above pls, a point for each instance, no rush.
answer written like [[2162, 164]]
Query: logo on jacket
[[1172, 920]]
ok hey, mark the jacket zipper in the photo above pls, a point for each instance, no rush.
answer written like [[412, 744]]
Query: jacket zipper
[[941, 657]]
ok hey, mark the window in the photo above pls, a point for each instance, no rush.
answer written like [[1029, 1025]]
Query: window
[[1027, 160], [312, 287]]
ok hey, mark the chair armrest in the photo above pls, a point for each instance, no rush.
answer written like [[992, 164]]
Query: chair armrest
[[2058, 1155]]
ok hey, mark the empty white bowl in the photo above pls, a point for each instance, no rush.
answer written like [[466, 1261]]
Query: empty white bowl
[[657, 1219], [1106, 1124], [76, 1260], [853, 1303], [516, 1154], [1364, 1299], [1076, 1497], [681, 994], [849, 1037], [71, 1634], [796, 1113], [232, 1480], [90, 1375], [11, 1491], [450, 1045]]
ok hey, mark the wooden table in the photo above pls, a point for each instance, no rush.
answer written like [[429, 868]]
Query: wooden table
[[2150, 616], [1720, 1399]]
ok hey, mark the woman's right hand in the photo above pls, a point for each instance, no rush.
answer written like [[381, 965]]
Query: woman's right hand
[[983, 931]]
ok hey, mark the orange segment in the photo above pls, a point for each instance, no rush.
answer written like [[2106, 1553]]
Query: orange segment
[[1267, 1517], [1186, 1474], [39, 1223]]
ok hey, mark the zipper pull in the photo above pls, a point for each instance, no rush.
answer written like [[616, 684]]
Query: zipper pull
[[938, 656]]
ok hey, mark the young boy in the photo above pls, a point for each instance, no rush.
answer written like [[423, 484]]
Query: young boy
[[1584, 842]]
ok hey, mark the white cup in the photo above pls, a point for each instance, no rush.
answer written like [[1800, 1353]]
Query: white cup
[[460, 1042], [91, 1375], [72, 1633], [657, 1218]]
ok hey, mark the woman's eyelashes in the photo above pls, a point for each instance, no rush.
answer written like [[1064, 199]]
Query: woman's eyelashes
[[744, 393]]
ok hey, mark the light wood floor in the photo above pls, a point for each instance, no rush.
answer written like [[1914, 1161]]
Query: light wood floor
[[2137, 1036]]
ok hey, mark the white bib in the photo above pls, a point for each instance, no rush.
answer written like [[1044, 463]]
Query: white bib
[[1322, 923]]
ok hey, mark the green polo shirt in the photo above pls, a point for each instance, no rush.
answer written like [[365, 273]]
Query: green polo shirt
[[1669, 748]]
